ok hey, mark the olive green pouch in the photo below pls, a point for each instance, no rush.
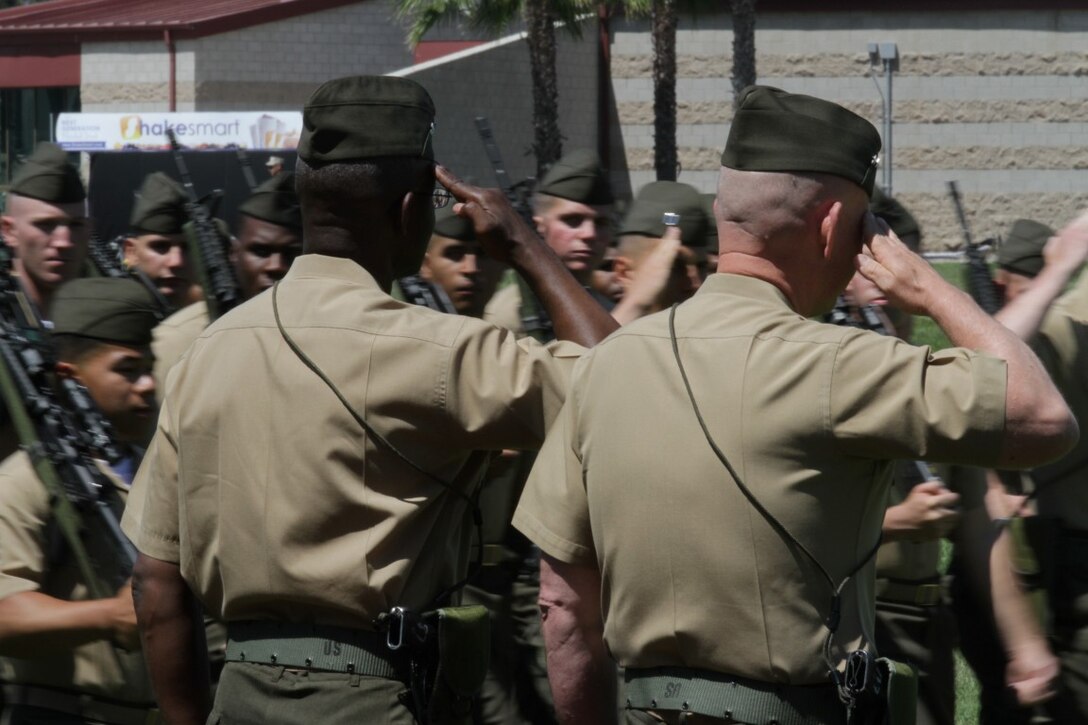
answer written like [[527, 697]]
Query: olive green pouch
[[464, 635], [900, 692]]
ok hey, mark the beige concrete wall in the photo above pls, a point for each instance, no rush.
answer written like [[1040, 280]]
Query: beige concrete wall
[[997, 101]]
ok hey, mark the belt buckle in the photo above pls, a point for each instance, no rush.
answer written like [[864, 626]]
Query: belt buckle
[[927, 595]]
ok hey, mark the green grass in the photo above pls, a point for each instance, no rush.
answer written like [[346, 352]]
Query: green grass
[[926, 332]]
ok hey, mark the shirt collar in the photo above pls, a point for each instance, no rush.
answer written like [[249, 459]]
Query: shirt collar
[[325, 267], [744, 286]]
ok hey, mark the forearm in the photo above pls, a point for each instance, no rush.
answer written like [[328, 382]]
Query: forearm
[[1013, 613], [33, 624], [575, 315], [1038, 424], [172, 633], [581, 674]]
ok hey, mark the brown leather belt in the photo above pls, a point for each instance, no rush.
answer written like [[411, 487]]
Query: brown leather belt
[[79, 704], [922, 595]]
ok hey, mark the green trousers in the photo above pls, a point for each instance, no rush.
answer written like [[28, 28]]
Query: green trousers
[[922, 637], [252, 694]]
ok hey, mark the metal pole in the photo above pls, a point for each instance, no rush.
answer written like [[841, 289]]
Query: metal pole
[[888, 127]]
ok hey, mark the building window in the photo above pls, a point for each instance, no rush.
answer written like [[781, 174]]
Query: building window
[[27, 116]]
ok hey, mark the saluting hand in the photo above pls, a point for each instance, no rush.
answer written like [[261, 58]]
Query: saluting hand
[[500, 229], [908, 281]]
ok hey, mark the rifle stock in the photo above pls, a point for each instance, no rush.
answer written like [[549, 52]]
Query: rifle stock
[[980, 284], [206, 248]]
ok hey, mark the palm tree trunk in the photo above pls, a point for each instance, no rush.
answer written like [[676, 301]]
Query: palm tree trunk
[[744, 46], [664, 47], [547, 142]]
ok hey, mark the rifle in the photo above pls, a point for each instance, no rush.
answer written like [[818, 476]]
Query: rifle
[[534, 318], [107, 259], [247, 170], [419, 291], [64, 434], [221, 289], [980, 284]]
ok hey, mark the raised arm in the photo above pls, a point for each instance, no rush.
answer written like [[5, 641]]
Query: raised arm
[[505, 236], [1064, 254], [1039, 426]]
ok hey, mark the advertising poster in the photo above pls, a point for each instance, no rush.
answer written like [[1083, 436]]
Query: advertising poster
[[251, 130]]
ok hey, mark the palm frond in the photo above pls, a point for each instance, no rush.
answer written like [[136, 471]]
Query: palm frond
[[422, 15]]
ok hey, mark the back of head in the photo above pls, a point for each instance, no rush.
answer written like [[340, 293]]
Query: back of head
[[366, 142], [1021, 251], [645, 215], [787, 151], [47, 176]]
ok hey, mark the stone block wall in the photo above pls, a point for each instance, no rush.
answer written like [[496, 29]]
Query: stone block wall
[[995, 100]]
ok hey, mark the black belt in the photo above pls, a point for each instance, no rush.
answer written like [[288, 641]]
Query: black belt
[[731, 697], [320, 647]]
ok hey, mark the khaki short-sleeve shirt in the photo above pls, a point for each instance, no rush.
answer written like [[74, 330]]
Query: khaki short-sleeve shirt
[[273, 500], [173, 336], [808, 414], [1062, 345], [31, 560]]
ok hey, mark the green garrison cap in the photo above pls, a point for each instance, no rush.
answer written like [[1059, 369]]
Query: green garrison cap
[[367, 117], [658, 197], [448, 224], [895, 214], [711, 221], [47, 176], [1021, 251], [777, 131], [578, 176], [160, 206], [275, 201], [110, 309]]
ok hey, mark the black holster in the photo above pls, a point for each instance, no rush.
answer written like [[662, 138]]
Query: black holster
[[448, 653]]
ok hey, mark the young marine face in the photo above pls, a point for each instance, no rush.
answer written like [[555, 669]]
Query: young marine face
[[165, 260], [578, 233], [50, 240], [119, 381], [263, 253], [455, 267]]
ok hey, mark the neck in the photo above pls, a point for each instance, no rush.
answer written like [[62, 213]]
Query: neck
[[37, 294], [372, 255], [748, 265]]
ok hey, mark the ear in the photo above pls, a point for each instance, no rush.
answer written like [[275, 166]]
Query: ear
[[623, 270], [829, 230], [68, 370], [128, 250], [7, 230], [425, 268], [539, 221], [235, 250]]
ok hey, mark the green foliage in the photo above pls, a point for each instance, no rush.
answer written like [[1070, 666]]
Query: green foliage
[[490, 16]]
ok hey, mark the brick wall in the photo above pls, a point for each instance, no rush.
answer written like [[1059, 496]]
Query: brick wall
[[995, 100]]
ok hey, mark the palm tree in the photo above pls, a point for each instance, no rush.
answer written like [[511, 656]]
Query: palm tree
[[663, 35], [494, 16], [744, 46]]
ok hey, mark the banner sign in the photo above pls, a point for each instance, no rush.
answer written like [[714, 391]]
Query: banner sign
[[276, 130]]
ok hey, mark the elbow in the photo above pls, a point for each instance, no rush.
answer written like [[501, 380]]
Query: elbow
[[1052, 432]]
